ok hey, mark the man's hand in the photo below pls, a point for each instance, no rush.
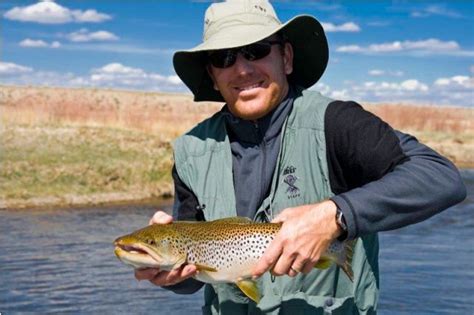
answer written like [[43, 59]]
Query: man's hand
[[306, 233], [164, 278]]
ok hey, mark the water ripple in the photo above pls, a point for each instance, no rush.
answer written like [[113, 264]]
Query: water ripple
[[61, 261]]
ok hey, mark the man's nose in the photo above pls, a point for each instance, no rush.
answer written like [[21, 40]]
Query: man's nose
[[243, 66]]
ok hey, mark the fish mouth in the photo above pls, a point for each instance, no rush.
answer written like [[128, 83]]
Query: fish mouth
[[137, 255]]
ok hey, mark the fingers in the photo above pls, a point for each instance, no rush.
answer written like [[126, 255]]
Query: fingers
[[146, 274], [167, 278], [284, 266], [161, 217], [302, 264], [282, 216], [268, 259], [308, 267]]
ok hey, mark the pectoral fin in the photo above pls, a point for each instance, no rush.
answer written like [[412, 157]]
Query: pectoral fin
[[249, 287], [323, 263], [202, 267], [181, 260]]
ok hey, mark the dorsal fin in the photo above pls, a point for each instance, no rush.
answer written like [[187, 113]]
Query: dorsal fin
[[241, 220]]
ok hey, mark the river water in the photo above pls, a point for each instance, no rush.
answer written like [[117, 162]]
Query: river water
[[62, 261]]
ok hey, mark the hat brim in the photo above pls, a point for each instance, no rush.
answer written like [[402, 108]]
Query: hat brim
[[304, 32]]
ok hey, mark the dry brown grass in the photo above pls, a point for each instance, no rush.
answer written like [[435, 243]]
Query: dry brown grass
[[426, 118], [448, 130], [167, 115], [120, 143]]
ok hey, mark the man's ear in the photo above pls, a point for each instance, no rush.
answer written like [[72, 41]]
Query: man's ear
[[211, 75], [288, 58]]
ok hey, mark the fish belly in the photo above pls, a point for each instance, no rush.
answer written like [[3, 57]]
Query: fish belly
[[232, 259]]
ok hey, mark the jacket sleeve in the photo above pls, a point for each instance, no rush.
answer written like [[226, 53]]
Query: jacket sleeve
[[416, 187], [186, 207]]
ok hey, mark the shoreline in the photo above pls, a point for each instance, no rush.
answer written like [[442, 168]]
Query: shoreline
[[98, 200], [84, 201]]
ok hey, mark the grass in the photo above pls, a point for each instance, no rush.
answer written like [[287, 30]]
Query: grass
[[88, 146], [57, 161]]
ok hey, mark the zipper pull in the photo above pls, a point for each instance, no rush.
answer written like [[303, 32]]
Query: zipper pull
[[200, 212]]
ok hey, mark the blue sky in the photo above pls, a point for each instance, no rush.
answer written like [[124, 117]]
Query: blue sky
[[380, 51]]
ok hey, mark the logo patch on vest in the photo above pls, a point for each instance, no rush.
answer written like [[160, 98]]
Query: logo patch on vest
[[290, 179]]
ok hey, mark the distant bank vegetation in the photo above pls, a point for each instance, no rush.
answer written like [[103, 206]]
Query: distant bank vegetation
[[90, 146]]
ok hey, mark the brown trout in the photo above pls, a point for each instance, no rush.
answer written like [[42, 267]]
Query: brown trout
[[224, 251]]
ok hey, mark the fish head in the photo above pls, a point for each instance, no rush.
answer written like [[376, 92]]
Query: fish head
[[156, 246]]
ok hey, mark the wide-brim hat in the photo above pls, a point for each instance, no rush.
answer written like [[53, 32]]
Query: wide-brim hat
[[238, 23]]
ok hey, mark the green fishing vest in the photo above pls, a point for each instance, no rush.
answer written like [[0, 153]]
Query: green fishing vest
[[204, 163]]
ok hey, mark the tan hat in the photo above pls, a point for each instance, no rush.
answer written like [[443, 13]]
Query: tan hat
[[236, 23]]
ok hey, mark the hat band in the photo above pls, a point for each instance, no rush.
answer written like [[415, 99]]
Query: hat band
[[239, 20]]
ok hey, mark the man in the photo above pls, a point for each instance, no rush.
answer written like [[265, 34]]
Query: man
[[326, 169]]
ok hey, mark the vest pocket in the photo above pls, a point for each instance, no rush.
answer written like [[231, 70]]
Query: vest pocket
[[301, 303]]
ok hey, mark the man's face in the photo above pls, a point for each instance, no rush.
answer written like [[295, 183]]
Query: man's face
[[252, 89]]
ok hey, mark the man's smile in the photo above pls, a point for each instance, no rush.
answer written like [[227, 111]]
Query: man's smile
[[249, 86]]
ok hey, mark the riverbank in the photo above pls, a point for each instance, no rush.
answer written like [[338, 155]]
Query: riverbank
[[64, 147]]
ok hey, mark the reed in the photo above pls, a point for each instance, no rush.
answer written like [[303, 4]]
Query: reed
[[86, 146], [426, 118]]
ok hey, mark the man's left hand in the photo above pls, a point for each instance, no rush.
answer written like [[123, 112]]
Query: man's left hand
[[305, 234]]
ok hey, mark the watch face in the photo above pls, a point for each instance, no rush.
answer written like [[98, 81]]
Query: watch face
[[340, 220]]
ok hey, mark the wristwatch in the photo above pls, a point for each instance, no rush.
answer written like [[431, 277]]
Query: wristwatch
[[342, 224]]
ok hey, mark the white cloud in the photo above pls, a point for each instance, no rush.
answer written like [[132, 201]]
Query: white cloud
[[118, 75], [439, 10], [413, 85], [459, 90], [346, 27], [322, 88], [174, 79], [458, 81], [350, 49], [112, 75], [421, 47], [49, 12], [456, 90], [83, 35], [38, 43], [376, 72], [386, 47], [471, 68], [431, 44], [33, 43], [379, 23], [91, 16], [9, 68], [379, 72]]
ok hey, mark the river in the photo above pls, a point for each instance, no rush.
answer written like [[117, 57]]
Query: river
[[62, 261]]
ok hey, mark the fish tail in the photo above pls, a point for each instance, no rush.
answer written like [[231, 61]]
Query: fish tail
[[346, 262]]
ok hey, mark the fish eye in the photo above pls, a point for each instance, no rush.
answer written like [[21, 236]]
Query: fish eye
[[150, 242]]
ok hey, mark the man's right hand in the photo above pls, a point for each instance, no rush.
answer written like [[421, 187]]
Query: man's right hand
[[165, 278]]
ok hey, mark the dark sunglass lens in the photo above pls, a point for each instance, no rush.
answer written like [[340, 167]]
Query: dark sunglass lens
[[256, 51], [223, 58]]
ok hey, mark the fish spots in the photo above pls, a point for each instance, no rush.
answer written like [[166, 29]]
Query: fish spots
[[231, 247]]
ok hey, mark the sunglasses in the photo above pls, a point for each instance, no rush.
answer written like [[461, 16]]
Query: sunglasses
[[225, 58]]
